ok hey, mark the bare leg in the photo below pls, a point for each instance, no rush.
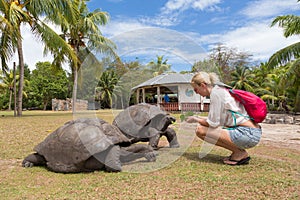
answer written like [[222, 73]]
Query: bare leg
[[221, 138], [136, 151]]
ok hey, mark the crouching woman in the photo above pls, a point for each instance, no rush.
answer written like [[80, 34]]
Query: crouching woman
[[233, 132]]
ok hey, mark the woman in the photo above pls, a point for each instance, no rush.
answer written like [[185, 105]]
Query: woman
[[223, 128]]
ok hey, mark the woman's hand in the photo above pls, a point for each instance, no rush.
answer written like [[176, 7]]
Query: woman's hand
[[192, 119]]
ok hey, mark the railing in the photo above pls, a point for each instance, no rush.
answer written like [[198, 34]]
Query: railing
[[190, 107], [195, 107], [171, 106]]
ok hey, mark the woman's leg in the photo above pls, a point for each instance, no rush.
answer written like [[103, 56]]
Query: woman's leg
[[221, 138]]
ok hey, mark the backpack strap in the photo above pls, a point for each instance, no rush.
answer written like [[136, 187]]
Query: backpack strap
[[233, 113]]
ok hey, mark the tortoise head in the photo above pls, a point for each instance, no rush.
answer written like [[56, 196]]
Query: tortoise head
[[161, 122]]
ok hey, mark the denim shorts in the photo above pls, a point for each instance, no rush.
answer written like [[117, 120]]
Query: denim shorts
[[245, 137]]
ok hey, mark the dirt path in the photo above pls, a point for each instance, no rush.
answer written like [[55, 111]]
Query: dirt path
[[281, 135]]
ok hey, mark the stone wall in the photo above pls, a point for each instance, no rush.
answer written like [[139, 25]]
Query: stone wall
[[65, 105], [282, 119]]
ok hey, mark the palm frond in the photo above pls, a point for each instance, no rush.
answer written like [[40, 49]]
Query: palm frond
[[268, 97], [284, 55], [54, 43], [290, 24]]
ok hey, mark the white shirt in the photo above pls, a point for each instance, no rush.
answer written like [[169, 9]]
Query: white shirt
[[220, 103]]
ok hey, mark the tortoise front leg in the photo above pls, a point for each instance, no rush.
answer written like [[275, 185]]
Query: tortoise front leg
[[153, 141], [171, 137], [136, 151]]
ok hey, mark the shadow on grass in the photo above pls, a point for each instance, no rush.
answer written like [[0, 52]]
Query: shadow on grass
[[209, 158]]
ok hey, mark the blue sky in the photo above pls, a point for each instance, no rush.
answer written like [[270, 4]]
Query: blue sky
[[244, 25], [184, 31]]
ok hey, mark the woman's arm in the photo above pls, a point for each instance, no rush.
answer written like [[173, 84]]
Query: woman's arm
[[194, 119]]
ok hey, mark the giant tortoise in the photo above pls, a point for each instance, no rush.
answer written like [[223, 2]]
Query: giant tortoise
[[146, 122], [85, 145]]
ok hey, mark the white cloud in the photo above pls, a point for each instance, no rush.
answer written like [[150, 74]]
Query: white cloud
[[116, 27], [177, 47], [269, 8], [181, 5], [171, 13], [257, 39]]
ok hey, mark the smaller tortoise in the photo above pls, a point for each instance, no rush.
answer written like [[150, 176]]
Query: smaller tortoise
[[85, 145], [145, 122]]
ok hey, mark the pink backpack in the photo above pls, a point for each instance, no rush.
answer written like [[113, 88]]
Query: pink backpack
[[255, 106]]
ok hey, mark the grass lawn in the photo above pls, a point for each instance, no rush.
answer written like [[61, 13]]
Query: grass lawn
[[273, 172]]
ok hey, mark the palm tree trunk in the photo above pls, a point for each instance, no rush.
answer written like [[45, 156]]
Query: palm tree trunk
[[21, 76], [297, 101], [10, 99], [45, 104], [74, 96]]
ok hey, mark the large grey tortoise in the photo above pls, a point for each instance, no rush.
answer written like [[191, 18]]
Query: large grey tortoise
[[146, 122], [85, 145]]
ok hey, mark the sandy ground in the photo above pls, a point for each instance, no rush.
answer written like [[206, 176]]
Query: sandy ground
[[278, 135], [281, 135]]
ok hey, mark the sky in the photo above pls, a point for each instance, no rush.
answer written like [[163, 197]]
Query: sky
[[185, 31]]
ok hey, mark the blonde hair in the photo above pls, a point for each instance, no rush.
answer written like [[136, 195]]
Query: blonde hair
[[204, 77]]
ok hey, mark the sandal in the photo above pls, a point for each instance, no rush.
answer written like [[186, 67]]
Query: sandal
[[243, 161]]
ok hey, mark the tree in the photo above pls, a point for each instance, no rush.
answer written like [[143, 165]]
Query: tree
[[159, 66], [48, 83], [227, 59], [14, 13], [243, 79], [107, 88], [83, 34], [8, 85], [205, 65], [291, 53]]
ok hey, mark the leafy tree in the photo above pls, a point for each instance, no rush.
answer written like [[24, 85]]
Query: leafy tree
[[48, 83], [107, 88], [159, 66], [8, 85], [83, 34], [135, 75], [227, 59], [291, 53], [242, 78], [17, 12], [205, 65]]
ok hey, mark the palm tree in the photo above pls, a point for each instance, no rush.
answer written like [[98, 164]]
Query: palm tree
[[17, 12], [160, 66], [243, 79], [83, 34], [291, 26], [107, 88], [8, 84]]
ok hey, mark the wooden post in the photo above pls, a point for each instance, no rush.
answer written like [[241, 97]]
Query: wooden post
[[158, 95], [138, 96], [144, 97]]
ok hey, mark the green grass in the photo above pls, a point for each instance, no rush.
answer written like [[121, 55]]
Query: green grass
[[273, 173]]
